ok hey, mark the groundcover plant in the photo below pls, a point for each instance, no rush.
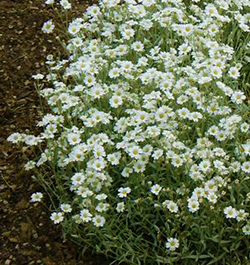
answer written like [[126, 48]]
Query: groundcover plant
[[145, 153]]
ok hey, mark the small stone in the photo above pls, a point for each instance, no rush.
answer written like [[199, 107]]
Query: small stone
[[14, 239]]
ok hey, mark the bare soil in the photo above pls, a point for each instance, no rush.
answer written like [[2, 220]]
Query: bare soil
[[27, 235]]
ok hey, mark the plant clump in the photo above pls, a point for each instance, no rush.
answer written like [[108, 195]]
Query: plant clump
[[145, 154]]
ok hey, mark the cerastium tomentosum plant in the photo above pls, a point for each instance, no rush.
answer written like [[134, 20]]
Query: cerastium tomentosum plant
[[147, 142]]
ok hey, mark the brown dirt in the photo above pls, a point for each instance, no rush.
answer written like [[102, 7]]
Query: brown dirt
[[27, 235]]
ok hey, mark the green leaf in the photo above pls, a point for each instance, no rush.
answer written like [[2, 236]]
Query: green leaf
[[197, 257], [166, 260], [217, 259], [235, 246]]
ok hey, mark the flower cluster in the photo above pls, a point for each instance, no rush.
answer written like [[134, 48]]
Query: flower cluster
[[148, 107]]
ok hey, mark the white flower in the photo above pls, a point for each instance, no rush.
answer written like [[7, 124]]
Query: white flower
[[115, 72], [77, 42], [57, 217], [172, 206], [213, 130], [210, 186], [235, 166], [212, 197], [126, 66], [238, 97], [146, 24], [128, 33], [76, 154], [38, 76], [205, 166], [31, 140], [73, 138], [74, 28], [66, 208], [246, 167], [49, 2], [193, 205], [121, 50], [195, 116], [77, 178], [230, 212], [244, 127], [139, 167], [198, 193], [157, 154], [137, 46], [246, 229], [142, 61], [147, 149], [211, 10], [36, 197], [89, 80], [141, 117], [65, 4], [101, 196], [182, 99], [183, 113], [98, 220], [184, 49], [213, 29], [123, 192], [196, 175], [99, 164], [93, 10], [234, 72], [148, 3], [97, 91], [216, 72], [51, 129], [135, 152], [155, 189], [102, 207], [177, 161], [114, 158], [172, 244], [246, 148], [48, 26], [242, 215], [77, 218], [15, 138], [42, 159], [221, 135], [30, 165], [115, 101], [85, 215], [126, 172], [186, 29], [120, 207], [99, 151]]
